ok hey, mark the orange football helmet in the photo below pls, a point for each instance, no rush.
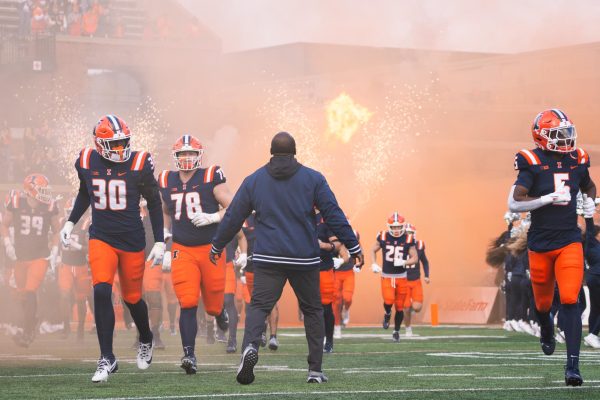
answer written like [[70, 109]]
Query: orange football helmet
[[37, 186], [187, 152], [552, 130], [396, 224], [411, 229], [112, 138]]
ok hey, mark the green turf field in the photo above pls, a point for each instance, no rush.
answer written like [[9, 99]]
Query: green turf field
[[440, 363]]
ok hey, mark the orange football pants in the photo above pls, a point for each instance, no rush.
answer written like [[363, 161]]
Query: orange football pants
[[414, 292], [326, 284], [192, 273], [343, 292], [565, 266], [106, 260], [168, 286], [29, 275], [249, 285], [75, 276], [230, 282], [394, 291], [153, 277]]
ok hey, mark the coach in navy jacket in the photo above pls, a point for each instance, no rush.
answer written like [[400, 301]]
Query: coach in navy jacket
[[284, 195]]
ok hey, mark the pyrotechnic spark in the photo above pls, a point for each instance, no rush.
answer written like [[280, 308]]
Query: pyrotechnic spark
[[345, 117]]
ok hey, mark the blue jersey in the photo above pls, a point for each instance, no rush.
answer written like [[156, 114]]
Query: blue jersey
[[324, 233], [183, 200], [113, 190], [350, 264], [413, 272], [553, 226], [394, 249], [248, 229]]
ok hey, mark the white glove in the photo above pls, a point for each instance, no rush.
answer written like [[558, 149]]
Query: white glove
[[511, 217], [157, 253], [65, 233], [375, 268], [10, 249], [166, 262], [167, 234], [53, 258], [243, 279], [241, 261], [75, 245], [399, 262], [337, 262], [562, 196], [356, 269], [203, 219], [589, 206]]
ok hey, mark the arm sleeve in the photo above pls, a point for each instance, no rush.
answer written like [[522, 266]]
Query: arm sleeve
[[237, 212], [82, 201], [424, 261], [590, 238], [149, 190], [334, 216]]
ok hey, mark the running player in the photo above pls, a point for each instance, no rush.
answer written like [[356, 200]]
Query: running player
[[414, 295]]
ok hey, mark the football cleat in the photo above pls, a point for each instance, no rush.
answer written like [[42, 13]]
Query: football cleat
[[263, 339], [337, 332], [560, 336], [515, 326], [592, 341], [144, 355], [173, 331], [526, 327], [573, 377], [273, 343], [548, 346], [328, 347], [316, 377], [345, 316], [408, 332], [104, 369], [223, 320], [386, 320], [220, 336], [231, 347], [396, 336], [158, 343], [188, 364], [507, 326], [245, 372]]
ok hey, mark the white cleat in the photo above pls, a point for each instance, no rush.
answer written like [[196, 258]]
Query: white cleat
[[536, 329], [104, 369], [592, 341], [345, 316], [560, 336], [507, 326], [526, 327], [408, 332], [144, 355], [337, 332], [515, 325]]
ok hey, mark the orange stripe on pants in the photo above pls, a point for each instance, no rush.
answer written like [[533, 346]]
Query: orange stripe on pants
[[192, 273], [565, 266]]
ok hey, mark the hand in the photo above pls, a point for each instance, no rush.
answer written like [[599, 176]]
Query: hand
[[243, 279], [356, 269], [426, 280], [399, 262], [10, 249], [562, 196], [511, 217], [241, 261], [589, 206], [214, 257], [203, 219], [337, 262], [375, 268], [157, 253], [53, 258], [358, 259], [65, 233], [166, 262], [509, 276], [167, 235], [75, 245]]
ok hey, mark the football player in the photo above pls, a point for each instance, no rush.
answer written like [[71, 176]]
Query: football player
[[592, 276], [343, 283], [73, 275], [235, 261], [195, 199], [398, 249], [32, 214], [414, 294], [548, 180], [112, 179]]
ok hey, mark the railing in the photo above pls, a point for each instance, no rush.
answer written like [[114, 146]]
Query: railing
[[36, 52]]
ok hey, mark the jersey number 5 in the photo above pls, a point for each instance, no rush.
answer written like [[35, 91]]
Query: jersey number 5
[[560, 179], [111, 194], [192, 203]]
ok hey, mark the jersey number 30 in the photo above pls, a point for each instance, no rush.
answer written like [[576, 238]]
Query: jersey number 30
[[110, 194]]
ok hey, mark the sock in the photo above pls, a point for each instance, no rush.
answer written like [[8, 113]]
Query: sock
[[139, 313], [572, 325], [546, 325], [388, 308], [398, 319], [29, 303], [126, 315], [81, 313], [105, 318], [233, 317], [188, 327], [155, 310], [172, 310], [65, 309], [329, 322]]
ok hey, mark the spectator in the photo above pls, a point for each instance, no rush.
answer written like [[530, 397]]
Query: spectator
[[38, 21], [74, 20], [24, 10], [90, 21]]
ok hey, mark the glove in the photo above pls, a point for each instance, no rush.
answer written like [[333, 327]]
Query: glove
[[589, 206], [75, 245], [399, 262], [166, 262], [511, 217], [509, 276], [426, 280], [356, 269], [167, 234], [65, 233], [241, 261], [562, 196], [157, 253], [337, 262], [243, 279], [10, 249], [203, 219], [53, 258], [375, 268]]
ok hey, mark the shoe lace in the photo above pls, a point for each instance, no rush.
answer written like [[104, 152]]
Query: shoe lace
[[103, 364], [144, 350]]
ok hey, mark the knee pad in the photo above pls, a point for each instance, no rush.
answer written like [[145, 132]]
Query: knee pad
[[154, 300]]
